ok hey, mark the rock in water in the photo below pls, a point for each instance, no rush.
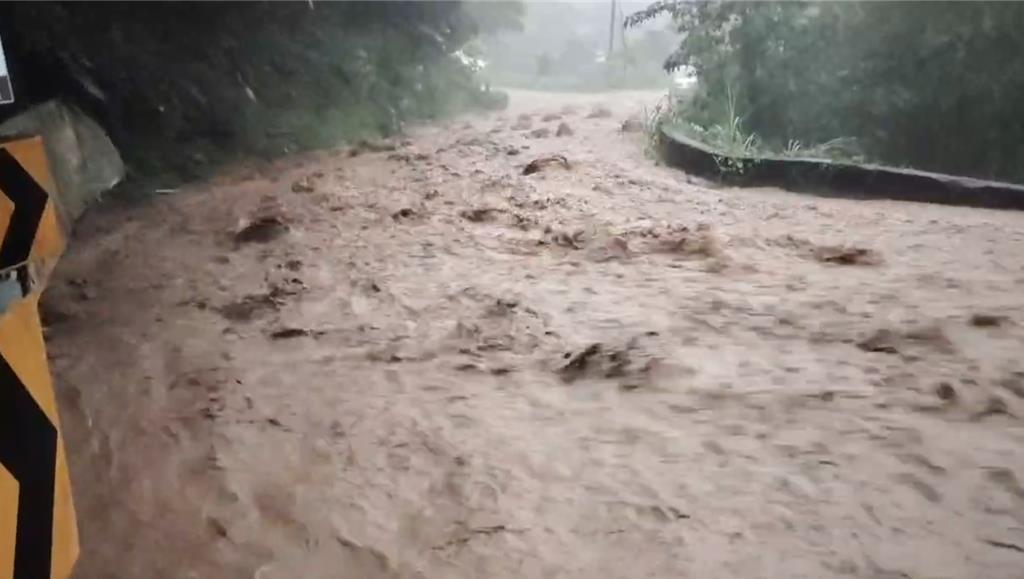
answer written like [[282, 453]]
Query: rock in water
[[84, 161]]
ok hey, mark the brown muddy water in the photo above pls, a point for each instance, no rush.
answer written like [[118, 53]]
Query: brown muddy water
[[412, 361]]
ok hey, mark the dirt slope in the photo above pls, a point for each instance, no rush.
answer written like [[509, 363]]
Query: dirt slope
[[419, 363]]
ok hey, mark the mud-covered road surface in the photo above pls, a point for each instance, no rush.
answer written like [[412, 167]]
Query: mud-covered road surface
[[410, 360]]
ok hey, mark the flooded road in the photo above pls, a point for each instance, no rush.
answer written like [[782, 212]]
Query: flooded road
[[410, 360]]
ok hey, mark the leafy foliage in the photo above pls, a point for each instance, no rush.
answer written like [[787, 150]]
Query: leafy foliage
[[934, 85], [186, 86]]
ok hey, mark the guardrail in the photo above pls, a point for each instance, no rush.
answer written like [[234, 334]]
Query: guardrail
[[38, 533], [836, 179]]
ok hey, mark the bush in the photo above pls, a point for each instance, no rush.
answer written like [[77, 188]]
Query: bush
[[936, 86]]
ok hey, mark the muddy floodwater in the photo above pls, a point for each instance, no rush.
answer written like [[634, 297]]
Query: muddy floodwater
[[409, 360]]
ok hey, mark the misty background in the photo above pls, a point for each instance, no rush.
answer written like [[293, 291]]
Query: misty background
[[578, 46]]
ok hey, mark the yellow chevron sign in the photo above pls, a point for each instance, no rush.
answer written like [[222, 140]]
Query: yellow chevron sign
[[38, 533]]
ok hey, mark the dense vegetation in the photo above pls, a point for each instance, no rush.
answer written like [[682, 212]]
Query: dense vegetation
[[185, 86], [932, 85]]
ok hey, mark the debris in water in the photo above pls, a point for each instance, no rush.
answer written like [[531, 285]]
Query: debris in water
[[85, 291], [631, 364], [574, 239], [564, 130], [217, 527], [847, 255], [945, 391], [541, 133], [890, 342], [600, 113], [577, 363], [542, 163], [551, 117], [480, 214], [249, 307], [404, 213], [1005, 545], [987, 320], [287, 333], [682, 241], [883, 341], [304, 185], [262, 230]]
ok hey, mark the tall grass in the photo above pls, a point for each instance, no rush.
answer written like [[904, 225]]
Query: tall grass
[[723, 131]]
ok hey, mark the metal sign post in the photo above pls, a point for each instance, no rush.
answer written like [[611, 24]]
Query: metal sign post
[[38, 530], [6, 90]]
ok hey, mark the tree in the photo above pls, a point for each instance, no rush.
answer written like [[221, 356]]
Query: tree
[[183, 86], [933, 85]]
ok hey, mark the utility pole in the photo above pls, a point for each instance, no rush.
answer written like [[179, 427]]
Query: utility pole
[[611, 32]]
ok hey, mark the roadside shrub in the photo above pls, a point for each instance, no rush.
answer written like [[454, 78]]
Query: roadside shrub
[[932, 85]]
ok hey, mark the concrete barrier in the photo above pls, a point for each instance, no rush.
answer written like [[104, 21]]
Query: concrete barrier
[[836, 179]]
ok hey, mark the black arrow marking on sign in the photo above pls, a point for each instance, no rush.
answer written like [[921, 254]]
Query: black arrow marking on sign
[[29, 200], [28, 450]]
